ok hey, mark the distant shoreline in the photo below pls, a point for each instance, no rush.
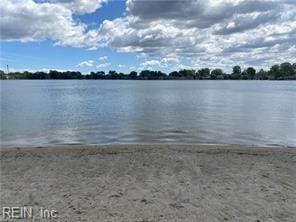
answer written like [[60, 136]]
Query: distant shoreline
[[133, 145], [284, 71], [217, 80]]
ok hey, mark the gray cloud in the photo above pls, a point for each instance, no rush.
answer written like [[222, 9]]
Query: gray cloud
[[219, 32], [284, 44], [182, 13], [77, 6], [198, 13], [165, 9], [248, 6], [245, 22]]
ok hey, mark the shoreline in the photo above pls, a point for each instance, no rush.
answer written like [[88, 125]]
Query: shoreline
[[126, 145], [156, 182]]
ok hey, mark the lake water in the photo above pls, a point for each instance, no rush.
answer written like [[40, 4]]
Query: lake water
[[42, 113]]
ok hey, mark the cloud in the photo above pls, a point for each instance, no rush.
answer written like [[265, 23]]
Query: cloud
[[157, 38], [87, 63], [27, 20], [242, 23], [205, 32], [150, 64], [103, 65], [198, 13], [80, 6], [102, 58], [158, 64]]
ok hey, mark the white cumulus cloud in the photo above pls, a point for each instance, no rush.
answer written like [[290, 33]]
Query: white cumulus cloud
[[103, 58], [87, 63], [28, 20], [209, 33], [103, 65]]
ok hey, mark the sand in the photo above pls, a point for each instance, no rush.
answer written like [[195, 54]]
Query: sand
[[153, 182]]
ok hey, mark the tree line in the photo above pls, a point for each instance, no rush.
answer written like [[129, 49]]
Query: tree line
[[284, 71]]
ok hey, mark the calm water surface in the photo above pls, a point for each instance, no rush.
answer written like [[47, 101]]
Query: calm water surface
[[43, 113]]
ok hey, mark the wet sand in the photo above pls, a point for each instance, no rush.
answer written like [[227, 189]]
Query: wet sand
[[153, 182]]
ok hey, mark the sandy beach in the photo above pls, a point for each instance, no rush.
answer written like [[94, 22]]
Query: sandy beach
[[152, 182]]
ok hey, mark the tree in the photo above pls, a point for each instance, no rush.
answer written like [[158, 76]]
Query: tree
[[133, 75], [261, 75], [274, 72], [236, 72], [174, 75], [112, 75], [2, 74], [37, 75], [75, 75], [203, 73], [53, 74], [187, 73], [217, 74], [244, 75], [251, 72], [146, 74], [294, 68], [286, 70], [159, 75]]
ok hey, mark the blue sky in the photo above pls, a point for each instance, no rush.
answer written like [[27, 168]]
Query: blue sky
[[45, 55], [134, 35]]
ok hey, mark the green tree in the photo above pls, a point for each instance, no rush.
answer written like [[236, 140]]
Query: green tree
[[133, 75], [112, 75], [146, 74], [37, 75], [251, 72], [244, 75], [217, 74], [236, 72], [274, 72], [286, 70], [187, 74], [261, 75], [53, 74], [2, 74], [294, 68], [203, 73]]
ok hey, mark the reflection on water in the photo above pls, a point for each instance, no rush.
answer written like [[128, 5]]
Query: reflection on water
[[42, 113]]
